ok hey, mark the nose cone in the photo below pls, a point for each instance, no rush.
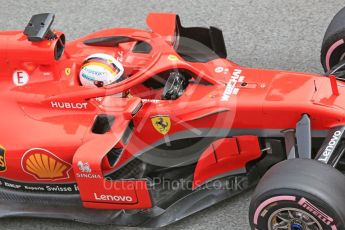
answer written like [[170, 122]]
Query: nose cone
[[328, 94]]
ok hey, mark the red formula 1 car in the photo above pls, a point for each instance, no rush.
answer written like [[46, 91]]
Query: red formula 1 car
[[186, 129]]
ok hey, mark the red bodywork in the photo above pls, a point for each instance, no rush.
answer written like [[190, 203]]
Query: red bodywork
[[47, 123]]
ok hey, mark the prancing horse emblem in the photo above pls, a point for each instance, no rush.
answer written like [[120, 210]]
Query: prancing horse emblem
[[68, 71], [161, 123]]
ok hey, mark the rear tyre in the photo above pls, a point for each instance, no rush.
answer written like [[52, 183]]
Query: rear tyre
[[299, 194], [333, 45]]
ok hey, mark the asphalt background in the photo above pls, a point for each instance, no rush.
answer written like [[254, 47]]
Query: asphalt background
[[275, 34]]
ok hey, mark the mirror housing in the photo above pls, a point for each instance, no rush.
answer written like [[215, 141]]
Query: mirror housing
[[38, 28]]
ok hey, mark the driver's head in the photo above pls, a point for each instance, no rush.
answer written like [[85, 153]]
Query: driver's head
[[100, 70]]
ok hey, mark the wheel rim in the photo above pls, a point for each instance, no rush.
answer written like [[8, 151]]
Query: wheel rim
[[292, 219]]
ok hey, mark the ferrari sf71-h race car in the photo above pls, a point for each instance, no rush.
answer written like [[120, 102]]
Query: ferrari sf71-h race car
[[185, 129]]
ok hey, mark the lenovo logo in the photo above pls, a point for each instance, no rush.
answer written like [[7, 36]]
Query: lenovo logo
[[326, 154], [125, 199]]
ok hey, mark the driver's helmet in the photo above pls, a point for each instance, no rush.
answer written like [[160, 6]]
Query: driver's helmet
[[100, 70]]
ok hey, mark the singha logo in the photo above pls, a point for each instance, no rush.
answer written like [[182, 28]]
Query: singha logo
[[84, 167]]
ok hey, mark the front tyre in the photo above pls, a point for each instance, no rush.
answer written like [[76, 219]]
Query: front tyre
[[299, 194], [333, 45]]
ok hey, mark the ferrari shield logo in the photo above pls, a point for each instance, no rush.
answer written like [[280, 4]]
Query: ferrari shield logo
[[68, 71], [172, 58], [161, 123]]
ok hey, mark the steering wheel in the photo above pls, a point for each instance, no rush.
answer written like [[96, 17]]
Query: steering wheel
[[174, 86]]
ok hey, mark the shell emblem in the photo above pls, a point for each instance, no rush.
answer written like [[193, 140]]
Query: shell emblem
[[44, 165], [2, 159]]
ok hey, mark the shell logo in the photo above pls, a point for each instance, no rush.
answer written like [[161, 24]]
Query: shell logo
[[44, 165]]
